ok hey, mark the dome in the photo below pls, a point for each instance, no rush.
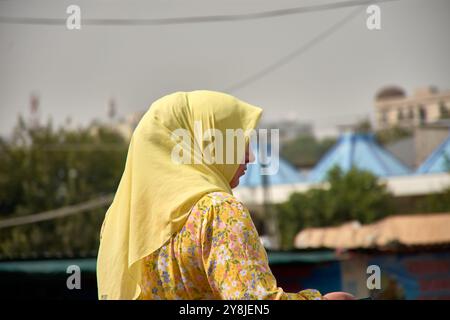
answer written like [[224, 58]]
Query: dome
[[390, 92]]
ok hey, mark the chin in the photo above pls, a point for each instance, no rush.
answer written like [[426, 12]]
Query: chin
[[234, 184]]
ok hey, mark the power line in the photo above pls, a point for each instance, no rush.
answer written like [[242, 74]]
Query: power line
[[294, 54], [193, 19], [58, 213]]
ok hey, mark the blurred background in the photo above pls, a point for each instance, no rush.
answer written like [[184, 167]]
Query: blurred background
[[364, 120]]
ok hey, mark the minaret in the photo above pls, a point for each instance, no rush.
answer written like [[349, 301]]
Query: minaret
[[112, 111], [34, 111]]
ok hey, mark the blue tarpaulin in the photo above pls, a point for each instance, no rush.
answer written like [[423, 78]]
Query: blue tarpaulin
[[438, 161], [286, 173], [360, 151]]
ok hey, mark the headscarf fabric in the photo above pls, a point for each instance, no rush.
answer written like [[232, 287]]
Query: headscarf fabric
[[159, 187]]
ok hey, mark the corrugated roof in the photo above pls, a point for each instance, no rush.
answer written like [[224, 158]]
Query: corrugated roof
[[287, 173], [409, 230], [361, 151], [438, 161]]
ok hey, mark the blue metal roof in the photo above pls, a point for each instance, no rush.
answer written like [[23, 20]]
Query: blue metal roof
[[287, 173], [361, 151], [438, 161]]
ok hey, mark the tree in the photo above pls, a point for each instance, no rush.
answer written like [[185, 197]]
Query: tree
[[42, 168], [440, 201], [393, 134], [363, 126], [355, 195], [306, 150], [444, 112]]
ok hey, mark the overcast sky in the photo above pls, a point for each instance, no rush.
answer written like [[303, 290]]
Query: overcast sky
[[75, 73]]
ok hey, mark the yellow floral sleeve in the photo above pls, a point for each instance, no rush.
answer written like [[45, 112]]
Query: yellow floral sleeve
[[216, 255], [235, 261]]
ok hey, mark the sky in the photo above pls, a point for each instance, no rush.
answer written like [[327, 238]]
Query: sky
[[76, 72]]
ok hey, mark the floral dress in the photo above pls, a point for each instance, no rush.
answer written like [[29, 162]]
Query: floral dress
[[216, 255]]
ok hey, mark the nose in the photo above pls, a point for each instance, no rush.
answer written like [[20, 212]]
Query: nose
[[251, 155]]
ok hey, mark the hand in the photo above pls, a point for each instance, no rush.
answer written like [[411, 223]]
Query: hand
[[338, 296]]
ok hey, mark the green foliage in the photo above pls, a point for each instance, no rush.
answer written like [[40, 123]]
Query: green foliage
[[393, 134], [306, 150], [363, 126], [444, 112], [355, 195], [45, 168], [437, 202]]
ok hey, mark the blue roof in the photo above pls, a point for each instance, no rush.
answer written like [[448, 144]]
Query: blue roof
[[439, 159], [361, 151], [287, 173]]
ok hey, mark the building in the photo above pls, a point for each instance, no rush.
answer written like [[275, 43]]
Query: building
[[361, 151], [438, 161], [394, 108], [289, 129], [413, 150], [393, 231], [411, 253]]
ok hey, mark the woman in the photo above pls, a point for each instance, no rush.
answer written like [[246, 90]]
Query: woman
[[174, 230]]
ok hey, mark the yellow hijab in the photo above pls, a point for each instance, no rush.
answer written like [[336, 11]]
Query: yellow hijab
[[155, 193]]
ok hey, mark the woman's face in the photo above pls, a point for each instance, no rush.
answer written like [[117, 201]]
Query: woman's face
[[249, 157]]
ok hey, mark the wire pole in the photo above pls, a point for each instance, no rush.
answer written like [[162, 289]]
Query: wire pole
[[193, 19], [58, 213], [294, 54]]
